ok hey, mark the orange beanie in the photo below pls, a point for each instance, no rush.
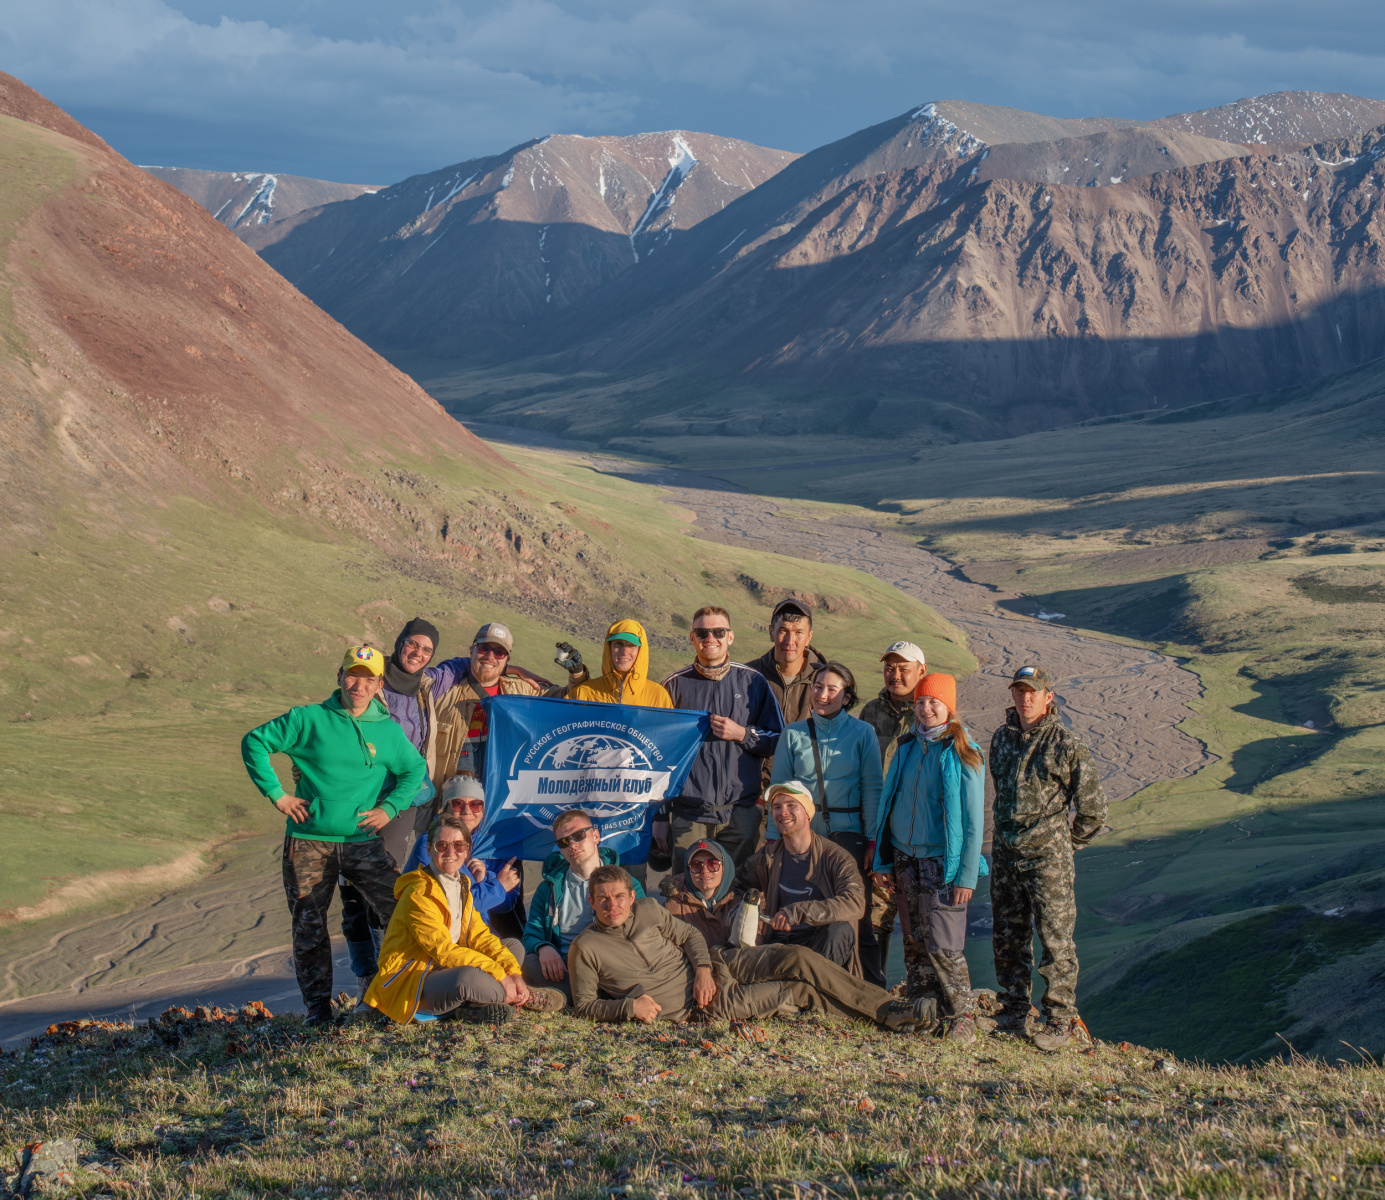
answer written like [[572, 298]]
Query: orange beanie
[[940, 687]]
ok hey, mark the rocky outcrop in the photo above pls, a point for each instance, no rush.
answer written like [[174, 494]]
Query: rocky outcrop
[[242, 200]]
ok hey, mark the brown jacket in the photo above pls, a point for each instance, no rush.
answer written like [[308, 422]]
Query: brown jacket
[[795, 699], [830, 868], [469, 693], [713, 924], [652, 954]]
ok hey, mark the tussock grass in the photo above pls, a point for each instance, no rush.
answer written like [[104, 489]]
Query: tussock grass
[[558, 1107]]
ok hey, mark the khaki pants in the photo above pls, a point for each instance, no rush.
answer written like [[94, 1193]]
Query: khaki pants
[[450, 987], [829, 987]]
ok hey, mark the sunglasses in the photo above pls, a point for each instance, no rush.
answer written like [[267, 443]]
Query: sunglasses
[[491, 652], [573, 838], [452, 846], [703, 634], [469, 805], [705, 866]]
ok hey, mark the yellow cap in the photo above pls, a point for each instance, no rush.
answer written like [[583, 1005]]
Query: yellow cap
[[364, 656]]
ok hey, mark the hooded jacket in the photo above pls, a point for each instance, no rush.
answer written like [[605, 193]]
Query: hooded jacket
[[634, 688], [344, 762], [541, 929], [891, 719], [850, 769], [712, 916], [726, 774], [419, 941]]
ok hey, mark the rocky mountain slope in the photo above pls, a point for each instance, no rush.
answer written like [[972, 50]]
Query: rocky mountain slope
[[962, 269], [508, 239], [242, 199]]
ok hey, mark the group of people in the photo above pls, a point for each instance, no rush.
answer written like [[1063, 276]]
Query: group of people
[[798, 837]]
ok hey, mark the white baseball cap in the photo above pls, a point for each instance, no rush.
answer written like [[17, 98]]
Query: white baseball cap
[[907, 651]]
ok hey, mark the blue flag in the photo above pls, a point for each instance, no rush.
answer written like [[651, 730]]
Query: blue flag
[[614, 761]]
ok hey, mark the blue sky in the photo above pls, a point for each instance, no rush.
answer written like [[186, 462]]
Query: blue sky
[[371, 92]]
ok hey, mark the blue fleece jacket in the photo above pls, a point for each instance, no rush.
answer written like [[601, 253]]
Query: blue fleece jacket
[[850, 754], [932, 792]]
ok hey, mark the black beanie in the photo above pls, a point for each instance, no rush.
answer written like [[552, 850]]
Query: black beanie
[[417, 625]]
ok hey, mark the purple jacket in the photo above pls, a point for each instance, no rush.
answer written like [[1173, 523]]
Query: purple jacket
[[407, 712]]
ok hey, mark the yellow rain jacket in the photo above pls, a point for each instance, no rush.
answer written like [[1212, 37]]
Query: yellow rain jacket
[[634, 688], [419, 940]]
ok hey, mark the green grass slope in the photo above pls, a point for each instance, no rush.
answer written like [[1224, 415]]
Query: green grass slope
[[559, 1108]]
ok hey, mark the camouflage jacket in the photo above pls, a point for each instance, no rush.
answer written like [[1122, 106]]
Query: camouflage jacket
[[889, 718], [1040, 774]]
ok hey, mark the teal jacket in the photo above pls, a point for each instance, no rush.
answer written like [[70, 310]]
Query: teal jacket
[[345, 763], [850, 754], [964, 808], [541, 929]]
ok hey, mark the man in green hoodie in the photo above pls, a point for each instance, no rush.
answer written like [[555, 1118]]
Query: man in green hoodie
[[347, 751]]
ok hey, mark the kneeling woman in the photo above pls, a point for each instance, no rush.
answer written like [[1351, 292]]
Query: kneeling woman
[[438, 957], [930, 825]]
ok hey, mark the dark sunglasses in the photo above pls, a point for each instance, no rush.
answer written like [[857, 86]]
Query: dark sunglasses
[[469, 805], [708, 866], [579, 836], [703, 634]]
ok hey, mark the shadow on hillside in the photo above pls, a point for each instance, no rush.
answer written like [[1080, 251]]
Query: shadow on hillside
[[1196, 978]]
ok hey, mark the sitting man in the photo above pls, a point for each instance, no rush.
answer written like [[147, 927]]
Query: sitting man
[[495, 882], [561, 907], [438, 958], [707, 901], [814, 894], [637, 962]]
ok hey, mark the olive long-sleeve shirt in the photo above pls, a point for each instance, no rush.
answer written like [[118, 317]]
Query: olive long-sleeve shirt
[[652, 954]]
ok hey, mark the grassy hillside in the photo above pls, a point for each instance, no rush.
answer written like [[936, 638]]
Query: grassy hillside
[[139, 654], [562, 1108]]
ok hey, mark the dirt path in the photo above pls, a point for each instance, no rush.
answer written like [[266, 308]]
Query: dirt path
[[1125, 702]]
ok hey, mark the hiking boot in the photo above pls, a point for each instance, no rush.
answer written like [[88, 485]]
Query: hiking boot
[[899, 1015], [548, 1000], [1058, 1032], [363, 983], [319, 1018], [960, 1030], [1011, 1020], [482, 1014]]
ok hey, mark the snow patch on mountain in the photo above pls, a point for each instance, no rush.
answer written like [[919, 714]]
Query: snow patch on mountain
[[680, 163]]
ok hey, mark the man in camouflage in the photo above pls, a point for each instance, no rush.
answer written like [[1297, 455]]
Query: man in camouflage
[[1042, 774], [891, 714]]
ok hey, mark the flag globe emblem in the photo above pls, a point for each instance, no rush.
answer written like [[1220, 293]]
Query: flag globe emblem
[[595, 752]]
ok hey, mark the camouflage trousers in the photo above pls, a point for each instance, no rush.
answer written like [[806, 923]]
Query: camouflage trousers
[[934, 961], [1028, 896], [311, 872]]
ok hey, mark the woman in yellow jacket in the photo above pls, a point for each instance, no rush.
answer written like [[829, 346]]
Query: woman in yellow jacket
[[624, 671], [438, 958]]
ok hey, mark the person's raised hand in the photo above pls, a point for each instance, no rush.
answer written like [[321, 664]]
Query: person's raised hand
[[508, 875], [726, 729], [568, 657], [477, 869], [704, 987], [780, 922], [883, 880], [647, 1009], [292, 807], [551, 964], [374, 819]]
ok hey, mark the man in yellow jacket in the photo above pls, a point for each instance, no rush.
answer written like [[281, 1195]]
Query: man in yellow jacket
[[624, 671], [438, 957], [625, 679]]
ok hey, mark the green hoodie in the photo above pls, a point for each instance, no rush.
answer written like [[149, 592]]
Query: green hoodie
[[345, 763]]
